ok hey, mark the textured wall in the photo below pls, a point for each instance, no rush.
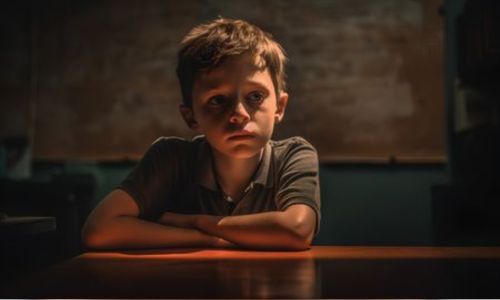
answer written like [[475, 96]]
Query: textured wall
[[365, 77]]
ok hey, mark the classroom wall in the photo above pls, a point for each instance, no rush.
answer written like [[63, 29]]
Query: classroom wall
[[378, 205], [96, 80]]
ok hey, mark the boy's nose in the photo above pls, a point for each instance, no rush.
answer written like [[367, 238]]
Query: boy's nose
[[239, 113]]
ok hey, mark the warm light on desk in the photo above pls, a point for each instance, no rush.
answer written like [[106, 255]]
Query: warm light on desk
[[321, 272], [318, 252], [199, 254]]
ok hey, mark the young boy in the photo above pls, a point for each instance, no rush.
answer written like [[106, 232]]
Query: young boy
[[232, 185]]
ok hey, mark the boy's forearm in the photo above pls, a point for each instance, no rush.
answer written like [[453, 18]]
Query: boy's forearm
[[268, 230], [130, 232]]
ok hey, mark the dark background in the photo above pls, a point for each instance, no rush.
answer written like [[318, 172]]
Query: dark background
[[95, 80], [405, 117]]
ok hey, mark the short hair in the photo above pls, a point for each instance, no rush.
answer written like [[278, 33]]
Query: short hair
[[207, 45]]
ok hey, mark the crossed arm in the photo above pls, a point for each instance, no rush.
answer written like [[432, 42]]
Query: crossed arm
[[114, 223]]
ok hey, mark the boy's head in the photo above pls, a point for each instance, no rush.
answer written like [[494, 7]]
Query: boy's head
[[208, 45], [232, 80]]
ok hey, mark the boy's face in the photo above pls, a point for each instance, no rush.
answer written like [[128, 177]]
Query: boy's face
[[235, 107]]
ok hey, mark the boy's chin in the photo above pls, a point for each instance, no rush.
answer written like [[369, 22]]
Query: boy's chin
[[242, 151]]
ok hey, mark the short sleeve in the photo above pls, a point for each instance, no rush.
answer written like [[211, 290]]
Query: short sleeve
[[298, 181], [153, 178]]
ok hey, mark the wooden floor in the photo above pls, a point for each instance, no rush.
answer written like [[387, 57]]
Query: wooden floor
[[322, 272]]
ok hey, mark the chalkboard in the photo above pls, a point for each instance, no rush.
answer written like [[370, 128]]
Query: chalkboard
[[364, 77]]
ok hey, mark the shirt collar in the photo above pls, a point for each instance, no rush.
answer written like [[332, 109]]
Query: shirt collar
[[262, 174], [205, 175]]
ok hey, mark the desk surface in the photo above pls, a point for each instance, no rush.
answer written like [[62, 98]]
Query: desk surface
[[322, 272]]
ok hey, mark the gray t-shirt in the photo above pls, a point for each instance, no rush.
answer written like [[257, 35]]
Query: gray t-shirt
[[176, 175]]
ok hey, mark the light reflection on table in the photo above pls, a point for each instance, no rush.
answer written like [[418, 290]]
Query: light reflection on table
[[322, 272]]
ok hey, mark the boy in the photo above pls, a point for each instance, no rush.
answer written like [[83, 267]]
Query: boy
[[232, 185]]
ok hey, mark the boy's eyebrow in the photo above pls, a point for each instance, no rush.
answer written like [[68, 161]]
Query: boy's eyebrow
[[212, 85], [256, 83]]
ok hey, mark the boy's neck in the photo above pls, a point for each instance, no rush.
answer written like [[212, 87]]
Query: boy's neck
[[234, 175]]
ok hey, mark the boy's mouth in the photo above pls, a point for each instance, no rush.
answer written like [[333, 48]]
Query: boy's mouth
[[241, 134]]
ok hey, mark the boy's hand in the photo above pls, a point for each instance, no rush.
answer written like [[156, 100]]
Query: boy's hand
[[194, 222], [179, 220], [222, 243]]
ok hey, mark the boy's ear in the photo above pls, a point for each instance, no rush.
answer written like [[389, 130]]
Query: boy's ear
[[280, 109], [188, 116]]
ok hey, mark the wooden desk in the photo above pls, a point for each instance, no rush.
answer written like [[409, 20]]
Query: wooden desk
[[322, 272]]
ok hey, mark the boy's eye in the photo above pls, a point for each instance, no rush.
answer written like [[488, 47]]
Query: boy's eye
[[256, 97], [218, 100]]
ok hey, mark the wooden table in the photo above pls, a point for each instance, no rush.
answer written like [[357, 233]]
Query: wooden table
[[322, 272]]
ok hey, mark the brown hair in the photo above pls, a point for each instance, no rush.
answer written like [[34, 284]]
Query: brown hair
[[208, 45]]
